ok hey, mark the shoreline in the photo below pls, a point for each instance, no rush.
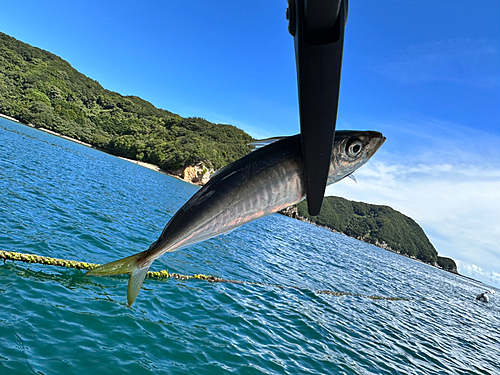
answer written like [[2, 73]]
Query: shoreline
[[10, 118], [141, 163], [60, 135]]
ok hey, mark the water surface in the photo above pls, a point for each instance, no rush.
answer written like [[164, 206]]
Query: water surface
[[64, 200]]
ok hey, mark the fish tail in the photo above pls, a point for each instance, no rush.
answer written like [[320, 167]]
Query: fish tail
[[136, 265]]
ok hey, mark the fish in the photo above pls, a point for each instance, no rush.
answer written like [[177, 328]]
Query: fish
[[259, 184]]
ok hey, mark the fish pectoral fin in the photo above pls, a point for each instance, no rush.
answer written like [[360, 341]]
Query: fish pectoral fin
[[351, 176], [133, 265]]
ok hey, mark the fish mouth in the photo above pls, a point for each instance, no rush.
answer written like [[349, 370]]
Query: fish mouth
[[375, 141]]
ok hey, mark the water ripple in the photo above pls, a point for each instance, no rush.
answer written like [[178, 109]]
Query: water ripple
[[64, 200]]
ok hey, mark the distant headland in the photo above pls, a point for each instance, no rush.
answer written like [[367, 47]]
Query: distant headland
[[378, 225]]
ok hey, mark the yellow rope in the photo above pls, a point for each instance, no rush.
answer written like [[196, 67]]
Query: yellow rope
[[32, 258]]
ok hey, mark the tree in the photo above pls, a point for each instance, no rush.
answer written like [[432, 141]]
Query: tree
[[38, 87]]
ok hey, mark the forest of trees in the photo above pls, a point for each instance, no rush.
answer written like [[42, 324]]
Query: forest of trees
[[39, 88], [378, 225]]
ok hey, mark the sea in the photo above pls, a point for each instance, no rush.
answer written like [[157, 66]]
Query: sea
[[386, 314]]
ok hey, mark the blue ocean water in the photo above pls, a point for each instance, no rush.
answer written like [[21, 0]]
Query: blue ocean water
[[64, 200]]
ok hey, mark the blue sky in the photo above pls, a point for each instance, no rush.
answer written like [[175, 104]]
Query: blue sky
[[424, 73]]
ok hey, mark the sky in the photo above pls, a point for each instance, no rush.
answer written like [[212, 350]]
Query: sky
[[424, 73]]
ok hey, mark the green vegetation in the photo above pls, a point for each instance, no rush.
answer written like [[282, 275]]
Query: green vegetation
[[378, 225], [447, 264], [39, 88]]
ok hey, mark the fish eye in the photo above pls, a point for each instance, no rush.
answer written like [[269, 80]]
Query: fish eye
[[354, 148]]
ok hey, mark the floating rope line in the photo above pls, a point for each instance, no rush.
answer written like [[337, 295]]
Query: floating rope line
[[32, 258]]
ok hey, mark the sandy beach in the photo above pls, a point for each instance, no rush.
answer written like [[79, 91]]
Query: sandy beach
[[8, 117]]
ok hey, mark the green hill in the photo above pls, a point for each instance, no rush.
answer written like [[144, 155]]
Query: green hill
[[39, 88], [378, 225]]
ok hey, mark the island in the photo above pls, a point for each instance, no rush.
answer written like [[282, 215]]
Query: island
[[42, 90], [378, 225]]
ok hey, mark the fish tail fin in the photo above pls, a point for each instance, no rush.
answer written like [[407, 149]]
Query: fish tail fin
[[135, 282], [136, 265]]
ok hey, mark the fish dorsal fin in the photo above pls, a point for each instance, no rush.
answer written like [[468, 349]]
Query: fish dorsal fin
[[219, 171], [264, 142]]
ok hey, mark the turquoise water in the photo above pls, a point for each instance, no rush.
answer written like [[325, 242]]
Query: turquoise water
[[64, 200]]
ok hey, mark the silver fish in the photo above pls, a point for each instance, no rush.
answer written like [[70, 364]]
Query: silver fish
[[259, 184]]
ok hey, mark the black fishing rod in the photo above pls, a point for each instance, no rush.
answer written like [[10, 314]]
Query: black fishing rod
[[318, 30]]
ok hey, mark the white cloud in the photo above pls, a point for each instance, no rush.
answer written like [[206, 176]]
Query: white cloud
[[457, 205], [474, 271]]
